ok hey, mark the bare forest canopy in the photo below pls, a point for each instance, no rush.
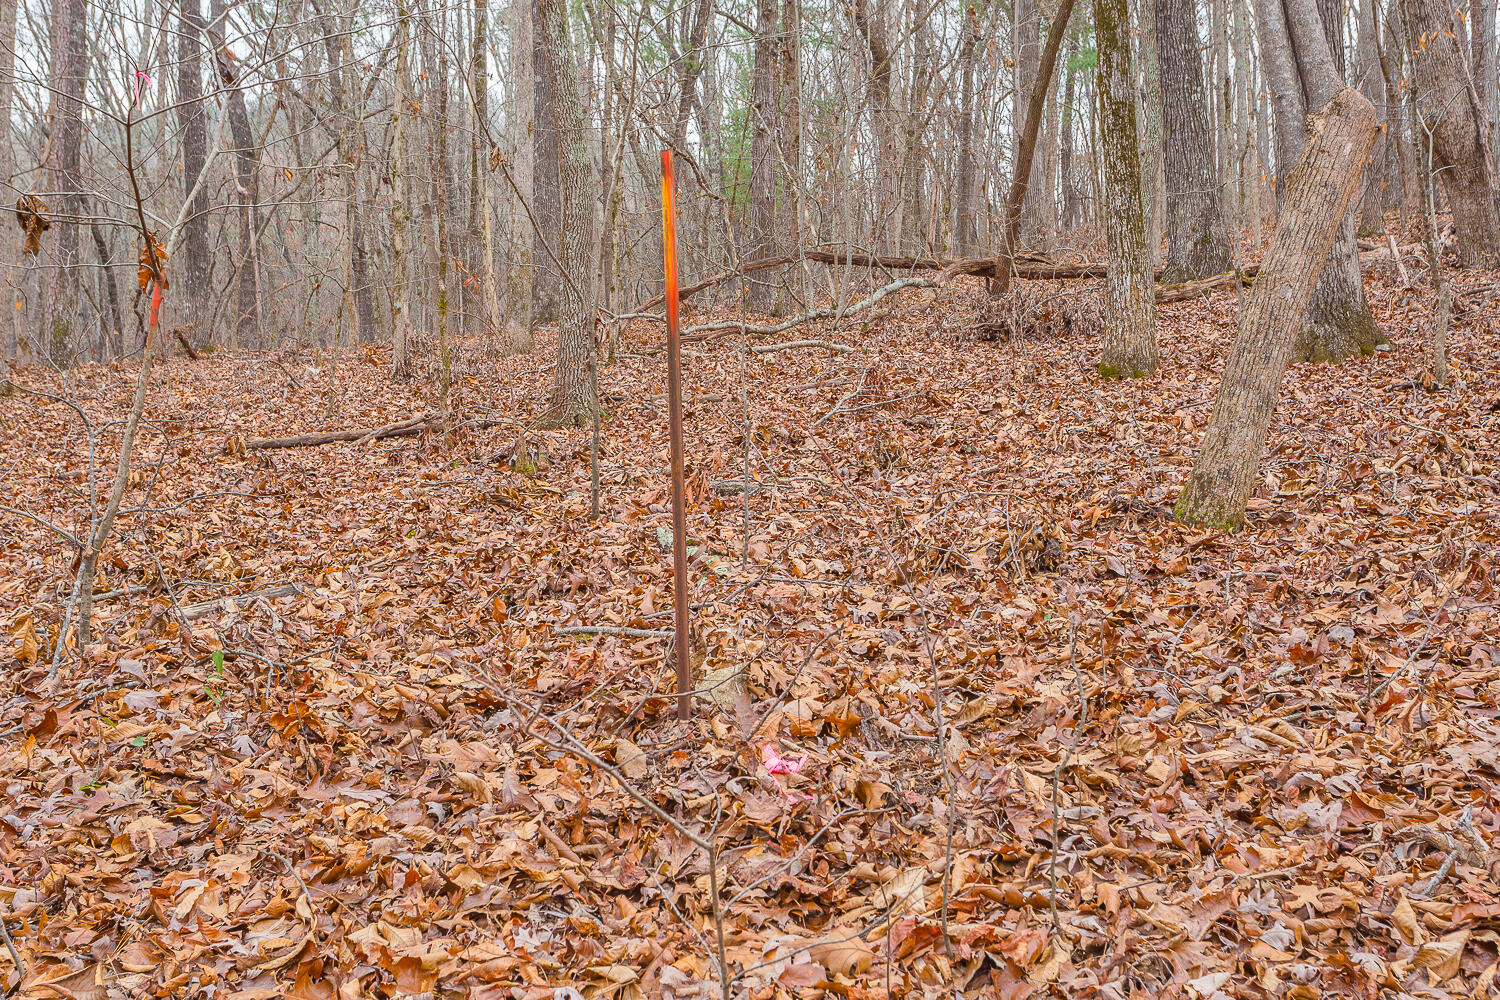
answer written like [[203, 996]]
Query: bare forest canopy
[[1091, 525]]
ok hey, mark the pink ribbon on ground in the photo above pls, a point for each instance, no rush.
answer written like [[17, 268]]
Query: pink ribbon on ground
[[776, 764]]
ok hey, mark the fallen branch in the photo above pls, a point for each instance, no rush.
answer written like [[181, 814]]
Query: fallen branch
[[700, 331], [1471, 850], [390, 429], [401, 428], [192, 611], [627, 633], [182, 339], [749, 267], [1026, 267], [793, 345], [1199, 286]]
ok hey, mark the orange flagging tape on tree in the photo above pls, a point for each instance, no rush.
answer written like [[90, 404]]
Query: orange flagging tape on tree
[[674, 396]]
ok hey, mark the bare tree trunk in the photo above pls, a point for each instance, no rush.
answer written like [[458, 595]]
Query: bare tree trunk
[[965, 231], [1020, 179], [440, 221], [1317, 195], [104, 523], [192, 114], [400, 198], [546, 284], [888, 205], [1153, 130], [114, 341], [1300, 70], [789, 136], [481, 229], [247, 180], [1246, 171], [1397, 136], [518, 286], [1197, 241], [1449, 108], [1437, 338], [1372, 85], [1130, 299], [9, 326], [914, 153], [572, 393], [763, 172], [70, 77], [1072, 214], [1026, 46], [1482, 42]]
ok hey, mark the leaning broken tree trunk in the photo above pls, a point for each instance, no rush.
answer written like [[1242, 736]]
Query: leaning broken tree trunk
[[1026, 151], [1318, 192], [1339, 321], [1448, 107], [572, 388], [1130, 299]]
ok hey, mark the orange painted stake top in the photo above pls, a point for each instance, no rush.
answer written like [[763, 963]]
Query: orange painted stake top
[[674, 424]]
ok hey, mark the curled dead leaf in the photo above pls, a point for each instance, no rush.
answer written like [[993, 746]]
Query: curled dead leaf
[[843, 953], [1442, 957], [631, 758], [31, 217], [474, 786]]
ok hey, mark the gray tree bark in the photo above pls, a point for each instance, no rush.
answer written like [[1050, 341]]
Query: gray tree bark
[[1318, 192], [573, 399], [519, 272], [195, 261], [1130, 289], [1372, 85], [761, 296], [1339, 323], [1197, 239], [246, 322], [547, 177], [1448, 108]]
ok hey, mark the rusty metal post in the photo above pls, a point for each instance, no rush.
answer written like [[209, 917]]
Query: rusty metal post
[[674, 419]]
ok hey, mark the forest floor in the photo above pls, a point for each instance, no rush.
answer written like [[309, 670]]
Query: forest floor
[[1178, 763]]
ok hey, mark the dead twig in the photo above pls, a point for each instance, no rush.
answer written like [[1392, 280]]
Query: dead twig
[[1062, 765], [15, 957]]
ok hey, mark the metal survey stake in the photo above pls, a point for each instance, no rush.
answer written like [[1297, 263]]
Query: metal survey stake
[[674, 421]]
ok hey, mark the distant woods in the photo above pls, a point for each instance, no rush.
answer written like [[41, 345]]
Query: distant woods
[[452, 176]]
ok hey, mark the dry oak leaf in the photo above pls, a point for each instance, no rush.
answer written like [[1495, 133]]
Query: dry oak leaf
[[843, 952], [145, 271], [631, 758], [27, 644], [30, 217], [1441, 957], [474, 785]]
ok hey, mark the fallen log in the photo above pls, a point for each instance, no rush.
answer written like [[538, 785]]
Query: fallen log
[[1199, 286], [361, 435], [401, 428], [192, 611], [1028, 268], [793, 345]]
